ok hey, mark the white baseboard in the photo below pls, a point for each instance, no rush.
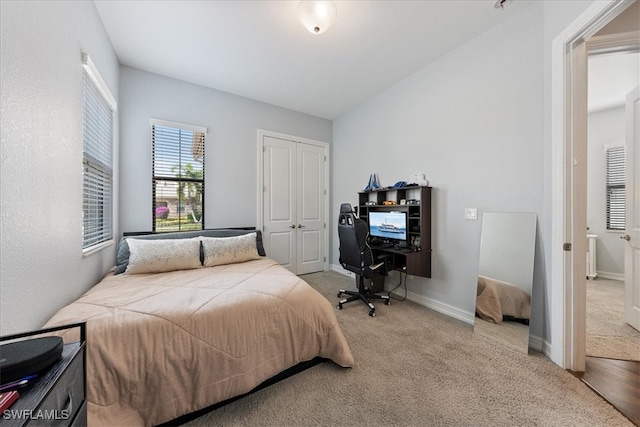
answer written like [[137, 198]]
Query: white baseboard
[[612, 276], [339, 269], [535, 342], [438, 306], [539, 344]]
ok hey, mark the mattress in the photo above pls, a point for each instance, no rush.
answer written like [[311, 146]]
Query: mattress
[[496, 299], [163, 345]]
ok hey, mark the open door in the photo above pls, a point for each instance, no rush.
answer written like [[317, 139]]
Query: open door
[[632, 211]]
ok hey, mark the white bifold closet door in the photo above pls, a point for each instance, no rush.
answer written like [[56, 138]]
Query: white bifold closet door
[[294, 198]]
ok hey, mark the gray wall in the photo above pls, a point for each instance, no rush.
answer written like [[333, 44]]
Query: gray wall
[[605, 128], [231, 144], [472, 122], [41, 262], [477, 122]]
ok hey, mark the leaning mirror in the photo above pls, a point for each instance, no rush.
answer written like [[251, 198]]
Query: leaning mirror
[[505, 277]]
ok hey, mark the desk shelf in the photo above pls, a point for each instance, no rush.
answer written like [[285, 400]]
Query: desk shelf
[[414, 262]]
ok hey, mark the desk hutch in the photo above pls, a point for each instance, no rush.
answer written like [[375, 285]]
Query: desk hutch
[[417, 205]]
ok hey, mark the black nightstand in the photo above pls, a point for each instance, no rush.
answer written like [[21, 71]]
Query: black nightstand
[[57, 397]]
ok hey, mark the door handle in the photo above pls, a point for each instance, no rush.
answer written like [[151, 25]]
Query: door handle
[[301, 226], [292, 226], [626, 237]]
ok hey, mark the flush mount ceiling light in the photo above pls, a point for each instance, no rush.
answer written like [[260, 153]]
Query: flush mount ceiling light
[[317, 16]]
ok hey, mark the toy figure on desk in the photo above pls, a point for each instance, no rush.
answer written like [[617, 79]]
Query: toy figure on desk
[[419, 179], [373, 184]]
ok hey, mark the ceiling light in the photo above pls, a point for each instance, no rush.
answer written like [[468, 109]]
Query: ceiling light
[[317, 16]]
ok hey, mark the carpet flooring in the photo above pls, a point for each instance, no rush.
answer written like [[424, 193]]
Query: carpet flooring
[[512, 334], [608, 335], [417, 367]]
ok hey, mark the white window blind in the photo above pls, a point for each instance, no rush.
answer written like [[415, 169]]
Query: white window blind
[[97, 190], [615, 179], [178, 176]]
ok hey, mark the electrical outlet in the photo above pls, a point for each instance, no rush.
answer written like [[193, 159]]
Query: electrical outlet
[[471, 213]]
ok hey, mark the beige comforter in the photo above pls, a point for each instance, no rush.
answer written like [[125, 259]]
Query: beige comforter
[[163, 345], [496, 299]]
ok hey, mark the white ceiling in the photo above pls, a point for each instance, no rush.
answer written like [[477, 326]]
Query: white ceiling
[[259, 50], [611, 77]]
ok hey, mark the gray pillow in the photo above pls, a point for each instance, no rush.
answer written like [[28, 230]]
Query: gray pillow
[[122, 258]]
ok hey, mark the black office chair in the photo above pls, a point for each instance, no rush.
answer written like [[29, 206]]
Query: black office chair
[[357, 257]]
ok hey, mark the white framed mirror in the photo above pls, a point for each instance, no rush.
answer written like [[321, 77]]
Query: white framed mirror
[[505, 277]]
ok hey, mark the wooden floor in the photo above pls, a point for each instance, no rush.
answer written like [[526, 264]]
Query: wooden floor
[[617, 381]]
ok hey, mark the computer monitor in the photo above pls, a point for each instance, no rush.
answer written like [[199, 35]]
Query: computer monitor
[[390, 225]]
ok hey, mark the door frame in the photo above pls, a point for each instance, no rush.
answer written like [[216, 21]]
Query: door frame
[[568, 142], [260, 178]]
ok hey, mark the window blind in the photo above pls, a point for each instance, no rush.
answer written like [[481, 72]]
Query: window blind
[[96, 161], [615, 181], [178, 177]]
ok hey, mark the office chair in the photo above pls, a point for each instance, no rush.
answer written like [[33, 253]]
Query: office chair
[[357, 257]]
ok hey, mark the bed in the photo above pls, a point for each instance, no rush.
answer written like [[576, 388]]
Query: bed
[[497, 300], [167, 336]]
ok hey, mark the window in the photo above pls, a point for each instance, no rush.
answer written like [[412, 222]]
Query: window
[[178, 176], [615, 188], [97, 176]]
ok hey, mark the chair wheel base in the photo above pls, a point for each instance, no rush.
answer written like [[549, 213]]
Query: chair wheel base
[[362, 295]]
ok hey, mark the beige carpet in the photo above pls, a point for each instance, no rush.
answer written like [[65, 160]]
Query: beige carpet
[[607, 333], [416, 367], [512, 334]]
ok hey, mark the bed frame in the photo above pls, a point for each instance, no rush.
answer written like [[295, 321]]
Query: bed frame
[[300, 367]]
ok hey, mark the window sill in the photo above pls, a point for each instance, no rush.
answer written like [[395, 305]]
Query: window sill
[[97, 248]]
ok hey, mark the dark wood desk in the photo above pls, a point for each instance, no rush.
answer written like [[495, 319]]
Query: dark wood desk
[[404, 259], [415, 202]]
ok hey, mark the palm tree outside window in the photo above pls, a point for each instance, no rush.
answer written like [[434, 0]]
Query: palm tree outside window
[[178, 176]]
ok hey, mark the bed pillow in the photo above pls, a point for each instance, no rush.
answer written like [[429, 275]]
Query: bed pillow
[[122, 259], [229, 250], [160, 255]]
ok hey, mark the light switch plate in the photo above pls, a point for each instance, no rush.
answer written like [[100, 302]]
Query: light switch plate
[[471, 213]]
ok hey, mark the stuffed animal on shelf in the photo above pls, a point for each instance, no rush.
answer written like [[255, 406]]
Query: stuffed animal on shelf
[[419, 179]]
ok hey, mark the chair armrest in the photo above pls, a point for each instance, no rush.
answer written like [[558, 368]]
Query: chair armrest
[[376, 266], [375, 270]]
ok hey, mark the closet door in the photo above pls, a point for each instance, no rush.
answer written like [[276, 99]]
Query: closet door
[[310, 208], [293, 203], [279, 201]]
